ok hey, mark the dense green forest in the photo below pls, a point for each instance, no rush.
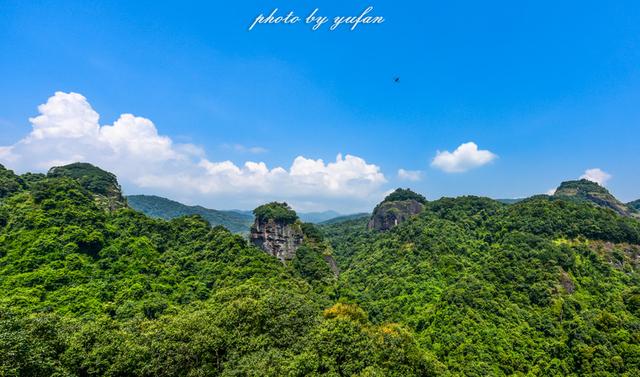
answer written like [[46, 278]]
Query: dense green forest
[[471, 286]]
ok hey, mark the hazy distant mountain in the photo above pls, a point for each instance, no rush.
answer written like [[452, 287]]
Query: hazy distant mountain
[[634, 204], [318, 217], [156, 206], [307, 217], [344, 218], [238, 221]]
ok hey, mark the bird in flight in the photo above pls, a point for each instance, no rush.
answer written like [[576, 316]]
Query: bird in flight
[[397, 79]]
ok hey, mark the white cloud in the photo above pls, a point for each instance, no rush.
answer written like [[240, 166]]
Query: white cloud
[[68, 130], [596, 175], [409, 175], [467, 156], [551, 191]]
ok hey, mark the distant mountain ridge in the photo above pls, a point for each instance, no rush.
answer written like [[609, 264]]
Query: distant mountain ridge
[[318, 217], [344, 218], [159, 207], [307, 217], [237, 221]]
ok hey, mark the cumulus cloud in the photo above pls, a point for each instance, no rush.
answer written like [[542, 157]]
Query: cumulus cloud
[[467, 156], [409, 175], [68, 130], [596, 175]]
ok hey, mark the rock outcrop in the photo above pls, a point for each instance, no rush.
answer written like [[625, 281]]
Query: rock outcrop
[[589, 191], [276, 238], [277, 230], [102, 184], [397, 207]]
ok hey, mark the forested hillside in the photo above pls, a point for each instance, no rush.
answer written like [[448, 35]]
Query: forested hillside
[[86, 291], [545, 286], [469, 286], [158, 207]]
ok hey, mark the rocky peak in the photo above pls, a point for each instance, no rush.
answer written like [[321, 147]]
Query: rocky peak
[[589, 191], [102, 184], [397, 207], [277, 230]]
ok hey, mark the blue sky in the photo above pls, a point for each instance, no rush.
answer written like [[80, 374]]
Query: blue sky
[[550, 89]]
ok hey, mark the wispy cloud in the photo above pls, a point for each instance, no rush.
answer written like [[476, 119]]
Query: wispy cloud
[[409, 175], [244, 149]]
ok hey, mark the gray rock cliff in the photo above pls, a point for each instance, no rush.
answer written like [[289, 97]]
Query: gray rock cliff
[[396, 208], [277, 238]]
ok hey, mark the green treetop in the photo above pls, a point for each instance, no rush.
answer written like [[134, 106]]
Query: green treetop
[[280, 212]]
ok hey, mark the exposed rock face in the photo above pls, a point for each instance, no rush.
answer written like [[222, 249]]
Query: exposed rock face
[[277, 238], [102, 184], [389, 214], [332, 264], [396, 208], [596, 194]]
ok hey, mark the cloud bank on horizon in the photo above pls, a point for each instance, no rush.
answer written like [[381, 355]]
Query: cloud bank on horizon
[[68, 130]]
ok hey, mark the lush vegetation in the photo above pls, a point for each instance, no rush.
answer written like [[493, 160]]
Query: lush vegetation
[[471, 286], [401, 194], [9, 182], [162, 208], [546, 286], [88, 292], [90, 177], [279, 212], [591, 192]]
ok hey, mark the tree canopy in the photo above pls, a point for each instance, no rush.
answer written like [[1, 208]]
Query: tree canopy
[[470, 286], [279, 212]]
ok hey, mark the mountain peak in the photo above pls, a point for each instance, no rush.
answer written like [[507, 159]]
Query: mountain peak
[[397, 207], [277, 230], [401, 194], [103, 184], [590, 191]]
